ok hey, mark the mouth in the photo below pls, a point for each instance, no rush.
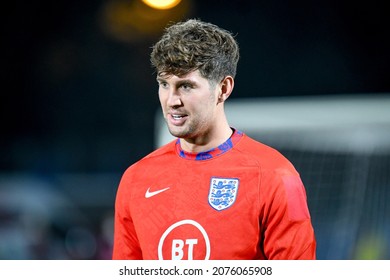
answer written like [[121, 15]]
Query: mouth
[[177, 119]]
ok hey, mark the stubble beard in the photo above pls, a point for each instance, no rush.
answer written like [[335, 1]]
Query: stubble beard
[[190, 130], [181, 132]]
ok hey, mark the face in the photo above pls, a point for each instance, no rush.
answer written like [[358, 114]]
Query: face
[[189, 105]]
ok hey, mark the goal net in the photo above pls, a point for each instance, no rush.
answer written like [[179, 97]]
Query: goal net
[[341, 147]]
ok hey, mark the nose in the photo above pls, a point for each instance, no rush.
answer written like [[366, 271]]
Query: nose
[[174, 98]]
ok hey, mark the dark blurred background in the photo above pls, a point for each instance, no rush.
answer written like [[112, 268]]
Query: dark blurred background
[[79, 98]]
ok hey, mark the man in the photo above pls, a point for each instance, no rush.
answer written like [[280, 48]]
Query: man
[[214, 193]]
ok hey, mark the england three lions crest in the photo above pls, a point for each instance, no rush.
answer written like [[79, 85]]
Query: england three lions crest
[[223, 192]]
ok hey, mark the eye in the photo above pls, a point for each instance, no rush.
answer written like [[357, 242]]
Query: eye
[[186, 86], [162, 84]]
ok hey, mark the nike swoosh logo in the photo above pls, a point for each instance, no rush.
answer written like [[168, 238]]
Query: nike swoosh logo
[[150, 194]]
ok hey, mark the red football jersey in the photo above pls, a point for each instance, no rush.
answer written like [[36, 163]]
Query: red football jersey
[[241, 200]]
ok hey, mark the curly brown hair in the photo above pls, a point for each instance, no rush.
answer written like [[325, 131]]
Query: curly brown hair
[[196, 45]]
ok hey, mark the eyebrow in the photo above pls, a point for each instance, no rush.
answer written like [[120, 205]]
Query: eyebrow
[[179, 82]]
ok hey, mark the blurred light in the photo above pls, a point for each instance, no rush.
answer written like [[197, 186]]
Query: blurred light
[[161, 4], [371, 246], [131, 21]]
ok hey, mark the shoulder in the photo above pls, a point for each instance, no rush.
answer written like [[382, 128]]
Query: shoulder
[[144, 169], [158, 156], [161, 151], [268, 157]]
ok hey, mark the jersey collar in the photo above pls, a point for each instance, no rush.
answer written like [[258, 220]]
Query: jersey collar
[[221, 149]]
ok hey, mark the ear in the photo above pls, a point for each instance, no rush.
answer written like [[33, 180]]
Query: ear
[[226, 87]]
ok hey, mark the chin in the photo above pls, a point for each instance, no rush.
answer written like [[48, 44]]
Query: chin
[[174, 132], [178, 134]]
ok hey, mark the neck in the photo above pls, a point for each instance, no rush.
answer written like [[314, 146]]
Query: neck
[[208, 141]]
